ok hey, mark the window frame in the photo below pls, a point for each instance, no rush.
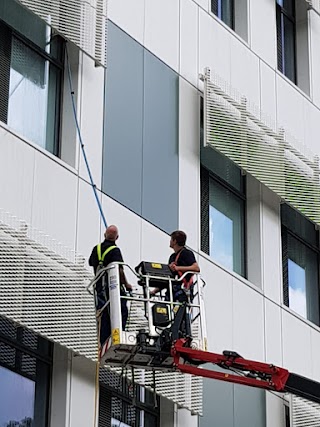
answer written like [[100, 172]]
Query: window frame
[[59, 64], [287, 413], [216, 9], [123, 395], [285, 232], [22, 348], [206, 174], [280, 13]]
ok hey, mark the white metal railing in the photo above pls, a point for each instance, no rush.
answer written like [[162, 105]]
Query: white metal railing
[[172, 385], [141, 302]]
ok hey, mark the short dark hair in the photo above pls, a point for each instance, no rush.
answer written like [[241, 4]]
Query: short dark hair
[[179, 236]]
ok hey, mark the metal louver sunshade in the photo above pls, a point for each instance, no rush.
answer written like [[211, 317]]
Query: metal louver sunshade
[[236, 129], [304, 413], [83, 22]]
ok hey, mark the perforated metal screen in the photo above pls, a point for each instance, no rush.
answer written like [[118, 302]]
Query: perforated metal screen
[[43, 287]]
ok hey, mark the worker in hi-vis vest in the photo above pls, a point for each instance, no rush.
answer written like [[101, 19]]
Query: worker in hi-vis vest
[[102, 255]]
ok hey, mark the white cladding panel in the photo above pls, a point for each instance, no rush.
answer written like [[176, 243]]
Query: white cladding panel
[[204, 4], [244, 71], [311, 129], [315, 351], [154, 244], [268, 93], [271, 241], [218, 297], [212, 35], [314, 24], [296, 345], [91, 109], [248, 321], [54, 203], [82, 392], [121, 12], [263, 30], [189, 41], [273, 333], [290, 108], [16, 175], [274, 410], [88, 229], [162, 30]]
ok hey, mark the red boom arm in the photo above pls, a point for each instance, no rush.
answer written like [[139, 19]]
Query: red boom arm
[[255, 374]]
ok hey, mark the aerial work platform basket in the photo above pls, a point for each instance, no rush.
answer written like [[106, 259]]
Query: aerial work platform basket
[[167, 333], [152, 319]]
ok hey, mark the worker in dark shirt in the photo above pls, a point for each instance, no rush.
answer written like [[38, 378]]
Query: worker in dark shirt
[[104, 254], [181, 261]]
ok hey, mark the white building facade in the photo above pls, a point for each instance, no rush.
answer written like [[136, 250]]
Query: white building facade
[[235, 166]]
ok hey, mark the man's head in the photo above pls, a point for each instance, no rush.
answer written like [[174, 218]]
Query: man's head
[[178, 238], [111, 233]]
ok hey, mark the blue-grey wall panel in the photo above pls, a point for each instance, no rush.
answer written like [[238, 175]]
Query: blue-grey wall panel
[[122, 152], [232, 405], [160, 185], [249, 407], [217, 404]]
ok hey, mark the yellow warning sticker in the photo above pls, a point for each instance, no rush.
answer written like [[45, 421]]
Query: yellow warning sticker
[[162, 310], [205, 344], [154, 265], [115, 336]]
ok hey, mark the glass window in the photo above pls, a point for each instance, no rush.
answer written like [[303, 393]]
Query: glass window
[[232, 13], [286, 38], [25, 370], [224, 9], [124, 404], [222, 211], [226, 227], [302, 279], [24, 22], [300, 266], [17, 403], [33, 96], [287, 415], [31, 77]]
